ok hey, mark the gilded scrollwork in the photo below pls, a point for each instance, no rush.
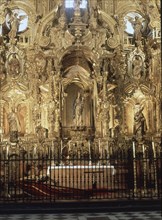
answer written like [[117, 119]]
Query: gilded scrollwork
[[14, 67], [59, 54]]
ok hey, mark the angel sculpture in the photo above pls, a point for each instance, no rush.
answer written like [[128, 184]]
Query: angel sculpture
[[14, 22], [137, 26]]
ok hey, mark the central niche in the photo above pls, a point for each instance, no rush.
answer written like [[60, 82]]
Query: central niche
[[77, 110]]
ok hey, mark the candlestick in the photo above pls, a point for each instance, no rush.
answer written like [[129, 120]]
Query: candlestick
[[107, 150], [99, 147], [7, 151], [35, 150], [69, 145], [134, 152], [143, 149], [153, 148], [89, 150], [61, 146]]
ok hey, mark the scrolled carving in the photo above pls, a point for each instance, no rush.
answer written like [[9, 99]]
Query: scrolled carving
[[112, 42], [105, 50], [44, 41]]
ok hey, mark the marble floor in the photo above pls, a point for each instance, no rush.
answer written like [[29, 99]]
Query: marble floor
[[151, 215]]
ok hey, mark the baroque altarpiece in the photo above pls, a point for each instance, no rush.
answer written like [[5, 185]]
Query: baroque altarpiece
[[79, 77]]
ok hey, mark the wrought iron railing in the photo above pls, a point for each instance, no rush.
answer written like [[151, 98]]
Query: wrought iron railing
[[25, 179]]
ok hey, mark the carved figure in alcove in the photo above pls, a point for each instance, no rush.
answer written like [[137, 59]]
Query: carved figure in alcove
[[115, 130], [14, 22], [137, 67], [14, 66], [40, 63], [137, 26], [21, 114], [42, 133], [56, 37], [78, 110], [14, 126], [140, 126]]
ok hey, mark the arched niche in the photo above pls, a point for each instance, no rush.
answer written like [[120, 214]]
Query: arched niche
[[150, 115], [128, 117], [68, 114], [20, 113]]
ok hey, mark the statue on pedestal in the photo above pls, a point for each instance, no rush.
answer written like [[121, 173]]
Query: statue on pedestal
[[42, 133], [14, 126], [139, 122], [78, 110]]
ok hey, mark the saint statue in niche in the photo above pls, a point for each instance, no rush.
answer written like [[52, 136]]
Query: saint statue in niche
[[78, 110], [14, 126], [140, 127], [42, 133], [137, 26], [14, 21]]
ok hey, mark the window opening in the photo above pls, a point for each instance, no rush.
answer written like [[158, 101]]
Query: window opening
[[70, 4]]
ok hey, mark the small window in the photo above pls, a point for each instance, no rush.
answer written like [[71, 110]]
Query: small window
[[70, 4]]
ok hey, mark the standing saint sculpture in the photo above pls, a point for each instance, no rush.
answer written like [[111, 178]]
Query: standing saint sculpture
[[78, 110], [14, 126], [140, 127], [137, 24], [14, 23]]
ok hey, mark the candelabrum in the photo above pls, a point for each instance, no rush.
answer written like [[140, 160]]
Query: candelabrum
[[90, 161]]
